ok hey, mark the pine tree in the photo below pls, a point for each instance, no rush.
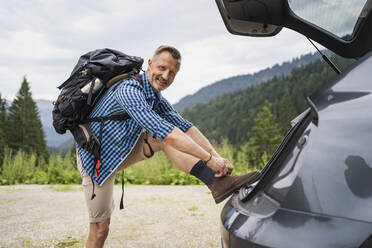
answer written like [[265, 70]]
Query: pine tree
[[287, 112], [24, 129], [264, 138], [2, 128], [72, 155]]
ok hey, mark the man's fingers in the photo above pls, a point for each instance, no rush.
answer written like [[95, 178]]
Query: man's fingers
[[222, 166], [225, 170], [222, 172], [229, 167], [219, 174], [229, 164]]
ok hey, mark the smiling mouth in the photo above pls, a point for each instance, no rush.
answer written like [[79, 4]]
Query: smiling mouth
[[163, 83]]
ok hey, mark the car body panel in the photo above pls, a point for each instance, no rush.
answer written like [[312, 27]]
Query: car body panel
[[289, 228], [321, 194]]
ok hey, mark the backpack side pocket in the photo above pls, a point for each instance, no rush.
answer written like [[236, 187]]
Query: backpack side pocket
[[86, 139]]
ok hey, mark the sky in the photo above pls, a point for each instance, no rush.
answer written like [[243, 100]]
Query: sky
[[43, 40]]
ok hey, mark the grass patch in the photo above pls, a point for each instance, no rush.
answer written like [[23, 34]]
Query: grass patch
[[193, 208], [67, 243], [23, 168], [65, 188], [26, 242], [14, 190], [10, 200]]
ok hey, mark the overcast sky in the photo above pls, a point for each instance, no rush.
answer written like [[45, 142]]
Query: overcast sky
[[44, 39]]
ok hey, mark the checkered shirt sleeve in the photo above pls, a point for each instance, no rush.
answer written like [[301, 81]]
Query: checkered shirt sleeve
[[171, 115], [131, 98]]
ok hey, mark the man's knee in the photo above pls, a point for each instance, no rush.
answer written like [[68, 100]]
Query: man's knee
[[102, 230], [156, 144]]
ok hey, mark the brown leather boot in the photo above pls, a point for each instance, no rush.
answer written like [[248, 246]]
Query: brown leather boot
[[223, 187]]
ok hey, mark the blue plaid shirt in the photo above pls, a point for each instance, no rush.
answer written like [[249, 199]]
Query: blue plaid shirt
[[148, 111]]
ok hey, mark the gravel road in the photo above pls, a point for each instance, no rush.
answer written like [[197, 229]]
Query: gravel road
[[154, 216]]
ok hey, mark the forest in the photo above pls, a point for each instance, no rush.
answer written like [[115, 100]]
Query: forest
[[234, 115]]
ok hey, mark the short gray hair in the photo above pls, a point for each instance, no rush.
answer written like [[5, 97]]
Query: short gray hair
[[172, 50]]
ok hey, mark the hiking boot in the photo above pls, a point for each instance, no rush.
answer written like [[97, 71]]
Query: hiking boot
[[223, 187]]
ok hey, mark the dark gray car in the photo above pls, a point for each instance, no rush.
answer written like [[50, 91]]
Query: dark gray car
[[316, 190]]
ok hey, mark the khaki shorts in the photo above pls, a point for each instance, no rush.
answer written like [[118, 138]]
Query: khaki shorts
[[101, 207]]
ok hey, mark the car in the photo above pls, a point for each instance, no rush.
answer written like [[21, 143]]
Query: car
[[316, 190]]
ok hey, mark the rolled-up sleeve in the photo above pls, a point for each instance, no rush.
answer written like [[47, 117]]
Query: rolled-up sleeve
[[171, 115], [131, 98]]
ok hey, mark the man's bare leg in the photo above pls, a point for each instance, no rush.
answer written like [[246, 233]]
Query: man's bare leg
[[98, 233], [182, 161]]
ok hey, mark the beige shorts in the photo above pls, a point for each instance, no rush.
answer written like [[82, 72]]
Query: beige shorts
[[101, 207]]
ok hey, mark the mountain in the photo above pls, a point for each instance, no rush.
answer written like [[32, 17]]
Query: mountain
[[240, 82], [45, 111], [233, 115], [52, 138]]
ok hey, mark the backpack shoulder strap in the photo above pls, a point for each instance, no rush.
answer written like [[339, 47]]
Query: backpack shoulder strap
[[136, 77], [116, 79]]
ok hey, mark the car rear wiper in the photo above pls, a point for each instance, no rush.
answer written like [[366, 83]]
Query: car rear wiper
[[325, 58]]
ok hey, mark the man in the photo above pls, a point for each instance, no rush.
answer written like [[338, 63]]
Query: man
[[154, 126]]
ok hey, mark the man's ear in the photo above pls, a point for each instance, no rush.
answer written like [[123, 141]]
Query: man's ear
[[149, 62]]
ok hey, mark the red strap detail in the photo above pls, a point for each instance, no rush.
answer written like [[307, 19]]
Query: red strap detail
[[96, 171]]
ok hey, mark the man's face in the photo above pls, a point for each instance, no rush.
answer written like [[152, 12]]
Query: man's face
[[162, 70]]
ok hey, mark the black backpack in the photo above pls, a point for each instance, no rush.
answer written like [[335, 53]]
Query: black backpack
[[99, 69]]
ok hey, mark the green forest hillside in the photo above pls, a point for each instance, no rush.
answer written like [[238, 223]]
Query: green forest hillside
[[240, 82], [232, 116]]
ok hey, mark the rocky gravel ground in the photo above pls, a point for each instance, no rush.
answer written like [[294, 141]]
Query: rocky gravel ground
[[154, 216]]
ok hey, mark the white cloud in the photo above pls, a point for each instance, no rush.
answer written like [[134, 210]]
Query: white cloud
[[208, 60], [44, 39]]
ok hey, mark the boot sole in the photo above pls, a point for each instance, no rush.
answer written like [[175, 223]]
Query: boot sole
[[222, 198]]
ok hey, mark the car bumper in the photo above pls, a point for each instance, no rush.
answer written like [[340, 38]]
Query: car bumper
[[291, 228]]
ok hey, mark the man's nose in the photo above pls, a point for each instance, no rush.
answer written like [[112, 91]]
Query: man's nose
[[165, 75]]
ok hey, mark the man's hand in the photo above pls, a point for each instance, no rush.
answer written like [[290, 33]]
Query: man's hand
[[230, 167], [222, 166]]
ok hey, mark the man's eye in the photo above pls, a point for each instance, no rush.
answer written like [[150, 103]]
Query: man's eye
[[161, 68]]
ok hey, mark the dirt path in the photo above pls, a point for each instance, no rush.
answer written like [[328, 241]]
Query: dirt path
[[154, 216]]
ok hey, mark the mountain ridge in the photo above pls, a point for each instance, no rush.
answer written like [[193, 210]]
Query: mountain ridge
[[239, 82]]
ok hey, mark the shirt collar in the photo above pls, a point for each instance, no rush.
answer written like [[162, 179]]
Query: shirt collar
[[149, 93]]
